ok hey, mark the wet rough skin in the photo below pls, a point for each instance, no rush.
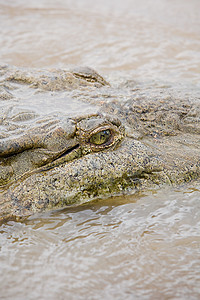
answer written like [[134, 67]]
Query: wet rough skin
[[67, 137]]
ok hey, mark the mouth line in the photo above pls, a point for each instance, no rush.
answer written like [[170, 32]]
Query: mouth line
[[54, 163], [66, 152]]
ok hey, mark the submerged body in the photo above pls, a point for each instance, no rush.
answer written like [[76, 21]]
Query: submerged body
[[66, 138]]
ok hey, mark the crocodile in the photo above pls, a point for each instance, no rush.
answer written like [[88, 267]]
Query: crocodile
[[68, 137]]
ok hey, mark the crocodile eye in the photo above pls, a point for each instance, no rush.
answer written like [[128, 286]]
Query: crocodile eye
[[100, 137]]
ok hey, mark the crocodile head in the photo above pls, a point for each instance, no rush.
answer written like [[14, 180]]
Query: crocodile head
[[63, 157], [62, 161]]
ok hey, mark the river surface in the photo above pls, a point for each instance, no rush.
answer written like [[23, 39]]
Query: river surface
[[144, 246]]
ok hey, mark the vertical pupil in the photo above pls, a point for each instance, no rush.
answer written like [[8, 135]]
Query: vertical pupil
[[103, 135], [100, 138]]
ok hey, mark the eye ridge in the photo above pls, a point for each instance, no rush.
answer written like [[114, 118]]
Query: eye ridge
[[101, 137]]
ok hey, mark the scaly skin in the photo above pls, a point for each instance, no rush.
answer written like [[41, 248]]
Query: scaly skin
[[57, 150]]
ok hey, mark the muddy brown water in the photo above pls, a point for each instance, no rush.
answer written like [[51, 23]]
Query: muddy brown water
[[144, 246]]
